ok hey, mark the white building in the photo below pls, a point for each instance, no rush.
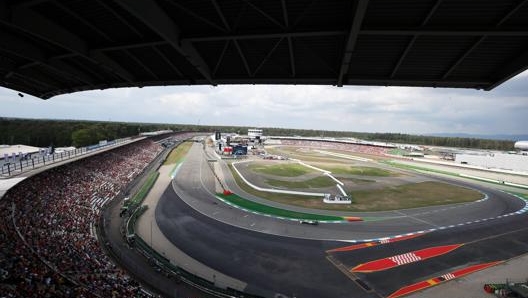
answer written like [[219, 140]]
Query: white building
[[254, 133], [502, 161], [14, 152]]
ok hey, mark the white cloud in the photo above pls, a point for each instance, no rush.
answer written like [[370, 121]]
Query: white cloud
[[352, 108]]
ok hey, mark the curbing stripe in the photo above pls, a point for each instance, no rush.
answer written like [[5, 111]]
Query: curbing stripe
[[404, 259], [440, 279]]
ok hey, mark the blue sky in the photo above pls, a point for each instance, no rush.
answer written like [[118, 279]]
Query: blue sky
[[353, 108]]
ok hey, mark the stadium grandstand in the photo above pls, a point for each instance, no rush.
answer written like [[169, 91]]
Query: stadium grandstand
[[376, 148], [47, 227]]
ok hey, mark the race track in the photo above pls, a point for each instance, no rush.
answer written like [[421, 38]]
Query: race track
[[282, 256]]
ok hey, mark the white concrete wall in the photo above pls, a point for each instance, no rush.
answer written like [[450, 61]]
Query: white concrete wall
[[513, 162]]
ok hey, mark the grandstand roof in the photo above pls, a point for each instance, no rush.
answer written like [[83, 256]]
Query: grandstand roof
[[52, 47], [10, 149]]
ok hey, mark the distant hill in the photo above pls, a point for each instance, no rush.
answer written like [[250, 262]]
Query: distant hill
[[507, 137]]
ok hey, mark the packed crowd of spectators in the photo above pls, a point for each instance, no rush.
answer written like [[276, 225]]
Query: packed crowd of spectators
[[353, 147], [48, 246]]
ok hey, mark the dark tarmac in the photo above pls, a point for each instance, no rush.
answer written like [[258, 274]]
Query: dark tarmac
[[269, 264], [272, 256]]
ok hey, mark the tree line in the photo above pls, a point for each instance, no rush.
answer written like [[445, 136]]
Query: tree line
[[63, 133]]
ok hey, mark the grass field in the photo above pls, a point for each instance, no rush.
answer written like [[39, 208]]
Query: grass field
[[316, 182], [413, 195], [178, 153], [357, 180], [392, 198], [362, 171], [263, 194], [282, 169]]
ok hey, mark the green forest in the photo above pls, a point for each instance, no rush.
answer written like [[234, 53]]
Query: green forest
[[60, 133]]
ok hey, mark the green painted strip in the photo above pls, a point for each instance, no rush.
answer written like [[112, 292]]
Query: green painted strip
[[269, 210], [144, 190]]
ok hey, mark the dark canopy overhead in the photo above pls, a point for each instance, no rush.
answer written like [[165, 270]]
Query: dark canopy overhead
[[51, 47]]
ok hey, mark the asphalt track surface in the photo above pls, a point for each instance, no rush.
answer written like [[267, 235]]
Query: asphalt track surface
[[278, 256]]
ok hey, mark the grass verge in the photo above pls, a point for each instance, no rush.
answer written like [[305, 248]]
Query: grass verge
[[265, 209], [316, 182], [178, 153], [143, 191], [282, 169], [362, 171]]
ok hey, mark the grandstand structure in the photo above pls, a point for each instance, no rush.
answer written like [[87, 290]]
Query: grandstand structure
[[48, 226], [360, 146], [53, 47]]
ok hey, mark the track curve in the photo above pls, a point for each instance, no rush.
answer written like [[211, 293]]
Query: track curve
[[277, 256]]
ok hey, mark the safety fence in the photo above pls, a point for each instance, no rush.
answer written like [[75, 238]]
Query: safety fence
[[179, 273], [22, 164], [164, 264]]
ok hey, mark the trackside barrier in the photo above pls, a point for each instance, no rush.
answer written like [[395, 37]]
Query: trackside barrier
[[133, 218], [165, 265], [172, 270]]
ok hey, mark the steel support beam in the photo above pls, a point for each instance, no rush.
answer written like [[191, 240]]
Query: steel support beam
[[141, 64], [381, 31], [34, 81], [40, 27], [153, 16], [264, 14], [267, 36], [28, 3], [221, 58], [176, 69], [83, 20], [508, 71], [221, 15], [244, 61], [267, 57], [481, 39], [132, 46], [463, 57], [414, 38], [350, 44], [303, 13], [292, 57], [113, 65], [21, 48], [120, 18], [444, 32], [289, 39], [196, 16]]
